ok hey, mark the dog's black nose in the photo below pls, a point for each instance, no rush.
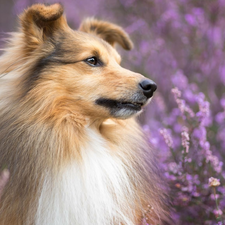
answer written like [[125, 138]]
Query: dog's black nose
[[148, 87]]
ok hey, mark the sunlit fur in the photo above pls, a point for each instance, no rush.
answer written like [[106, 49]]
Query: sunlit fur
[[72, 161]]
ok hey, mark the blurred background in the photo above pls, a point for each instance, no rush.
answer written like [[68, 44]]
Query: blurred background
[[180, 45]]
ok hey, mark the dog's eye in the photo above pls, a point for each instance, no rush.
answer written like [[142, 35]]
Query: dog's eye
[[93, 61]]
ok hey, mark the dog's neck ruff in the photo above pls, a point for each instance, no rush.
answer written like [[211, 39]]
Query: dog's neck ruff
[[94, 191]]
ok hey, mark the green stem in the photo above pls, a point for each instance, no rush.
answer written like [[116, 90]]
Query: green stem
[[173, 154], [217, 205]]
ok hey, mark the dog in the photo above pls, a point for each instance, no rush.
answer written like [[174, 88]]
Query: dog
[[68, 129]]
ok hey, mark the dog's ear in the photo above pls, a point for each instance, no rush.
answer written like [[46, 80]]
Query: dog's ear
[[107, 31], [40, 22]]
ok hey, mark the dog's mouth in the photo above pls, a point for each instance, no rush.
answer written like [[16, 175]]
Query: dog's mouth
[[129, 105], [117, 105]]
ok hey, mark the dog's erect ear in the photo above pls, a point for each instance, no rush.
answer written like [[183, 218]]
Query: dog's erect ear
[[40, 21], [107, 31]]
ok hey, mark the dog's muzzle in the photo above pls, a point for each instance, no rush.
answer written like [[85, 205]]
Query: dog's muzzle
[[132, 103]]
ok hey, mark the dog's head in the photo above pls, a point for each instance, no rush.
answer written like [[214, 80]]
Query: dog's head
[[81, 69]]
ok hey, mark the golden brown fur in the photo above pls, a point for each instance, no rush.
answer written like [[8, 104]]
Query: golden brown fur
[[61, 146]]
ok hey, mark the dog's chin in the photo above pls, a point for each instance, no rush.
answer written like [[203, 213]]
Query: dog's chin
[[122, 108]]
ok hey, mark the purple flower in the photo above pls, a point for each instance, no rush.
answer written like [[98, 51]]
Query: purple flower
[[217, 212], [185, 139], [181, 103], [190, 19], [180, 80], [220, 117], [167, 137]]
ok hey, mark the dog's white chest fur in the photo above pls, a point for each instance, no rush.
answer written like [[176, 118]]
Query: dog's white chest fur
[[95, 191]]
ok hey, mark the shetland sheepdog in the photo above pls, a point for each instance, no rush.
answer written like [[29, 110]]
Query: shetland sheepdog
[[68, 133]]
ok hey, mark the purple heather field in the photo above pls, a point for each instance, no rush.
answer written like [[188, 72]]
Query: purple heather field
[[180, 44]]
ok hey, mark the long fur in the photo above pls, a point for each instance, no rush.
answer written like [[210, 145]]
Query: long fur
[[71, 161]]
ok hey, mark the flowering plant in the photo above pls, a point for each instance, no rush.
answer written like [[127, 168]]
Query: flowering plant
[[191, 163], [180, 45]]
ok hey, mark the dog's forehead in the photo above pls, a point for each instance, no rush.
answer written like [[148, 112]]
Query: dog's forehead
[[82, 42]]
